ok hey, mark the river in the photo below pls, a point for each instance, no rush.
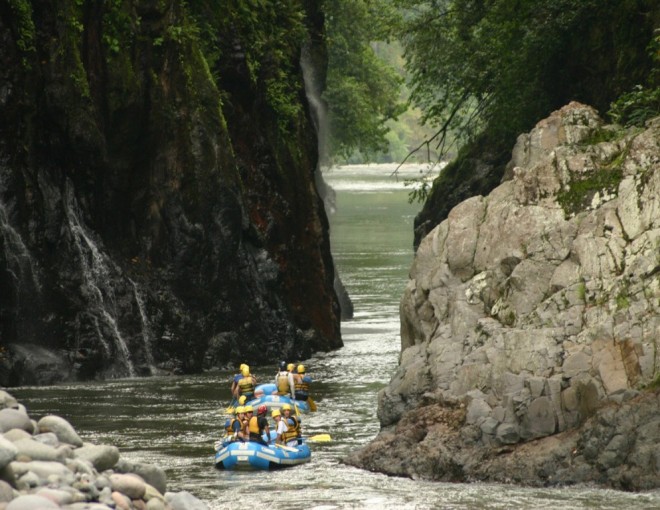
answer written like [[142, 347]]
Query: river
[[173, 421]]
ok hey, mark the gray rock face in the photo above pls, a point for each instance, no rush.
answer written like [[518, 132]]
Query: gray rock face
[[545, 295]]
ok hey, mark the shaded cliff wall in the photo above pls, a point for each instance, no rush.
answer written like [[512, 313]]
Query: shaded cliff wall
[[157, 196]]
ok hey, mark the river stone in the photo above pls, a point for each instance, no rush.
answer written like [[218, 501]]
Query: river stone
[[15, 419], [184, 501], [47, 438], [31, 502], [131, 485], [28, 480], [155, 504], [88, 506], [152, 493], [38, 451], [16, 434], [6, 492], [81, 466], [7, 400], [101, 456], [44, 470], [8, 452], [121, 501], [61, 428], [153, 475], [61, 496]]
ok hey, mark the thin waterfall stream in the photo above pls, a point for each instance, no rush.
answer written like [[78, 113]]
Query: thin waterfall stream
[[173, 421]]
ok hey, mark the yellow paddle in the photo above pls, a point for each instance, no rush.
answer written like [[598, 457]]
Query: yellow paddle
[[319, 438], [312, 404], [287, 448]]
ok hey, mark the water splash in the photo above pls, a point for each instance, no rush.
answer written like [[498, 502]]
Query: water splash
[[95, 267]]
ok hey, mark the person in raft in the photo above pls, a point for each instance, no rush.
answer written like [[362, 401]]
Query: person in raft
[[302, 382], [284, 381], [234, 426], [246, 385], [293, 428], [237, 377], [258, 426], [280, 426]]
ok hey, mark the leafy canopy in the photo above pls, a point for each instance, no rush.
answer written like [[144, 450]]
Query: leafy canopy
[[362, 90]]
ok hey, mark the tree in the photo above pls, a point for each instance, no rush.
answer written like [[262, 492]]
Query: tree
[[362, 90], [500, 65]]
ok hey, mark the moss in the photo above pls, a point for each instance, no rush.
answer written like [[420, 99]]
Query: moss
[[622, 301], [25, 41], [580, 193]]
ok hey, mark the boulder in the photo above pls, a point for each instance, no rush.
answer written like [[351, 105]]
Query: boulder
[[15, 419], [184, 501], [61, 428], [31, 502], [128, 484], [102, 457], [8, 452]]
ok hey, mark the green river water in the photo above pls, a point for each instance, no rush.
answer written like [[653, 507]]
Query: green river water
[[174, 421]]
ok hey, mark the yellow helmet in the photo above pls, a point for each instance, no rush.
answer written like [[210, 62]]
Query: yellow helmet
[[248, 409], [276, 412], [243, 365], [242, 399], [245, 370], [286, 407], [301, 369], [240, 410], [290, 367]]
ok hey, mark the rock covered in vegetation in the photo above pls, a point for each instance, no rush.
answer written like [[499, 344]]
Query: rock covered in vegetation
[[46, 469], [536, 310], [158, 204]]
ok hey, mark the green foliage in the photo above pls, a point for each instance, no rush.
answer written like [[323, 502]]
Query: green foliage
[[362, 90], [22, 10], [642, 103], [478, 64], [269, 34]]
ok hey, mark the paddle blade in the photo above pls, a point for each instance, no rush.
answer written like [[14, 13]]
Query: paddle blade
[[312, 404], [230, 410], [319, 438]]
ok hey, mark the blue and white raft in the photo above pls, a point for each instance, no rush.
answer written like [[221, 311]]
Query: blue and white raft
[[255, 456], [265, 394]]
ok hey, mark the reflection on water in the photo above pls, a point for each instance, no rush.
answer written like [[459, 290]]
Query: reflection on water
[[173, 422]]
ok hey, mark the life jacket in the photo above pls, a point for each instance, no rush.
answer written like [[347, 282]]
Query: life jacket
[[302, 386], [283, 383], [229, 425], [293, 430], [253, 426], [246, 385]]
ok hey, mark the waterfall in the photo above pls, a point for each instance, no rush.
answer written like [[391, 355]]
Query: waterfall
[[19, 261], [147, 335], [95, 268], [313, 91]]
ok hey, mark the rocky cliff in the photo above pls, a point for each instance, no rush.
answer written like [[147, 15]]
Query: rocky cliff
[[158, 206], [530, 326]]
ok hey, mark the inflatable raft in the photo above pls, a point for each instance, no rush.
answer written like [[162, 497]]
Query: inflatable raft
[[266, 394], [255, 456]]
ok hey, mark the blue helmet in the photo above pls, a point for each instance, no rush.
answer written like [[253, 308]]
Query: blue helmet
[[282, 365]]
